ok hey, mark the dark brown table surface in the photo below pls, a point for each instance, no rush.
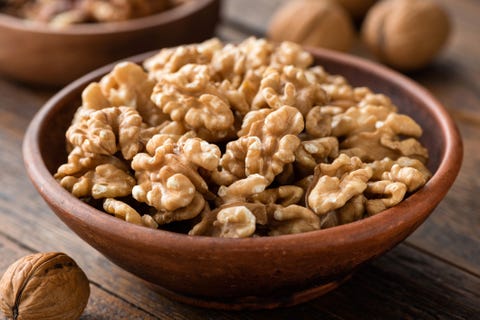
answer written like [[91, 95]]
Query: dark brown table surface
[[434, 274]]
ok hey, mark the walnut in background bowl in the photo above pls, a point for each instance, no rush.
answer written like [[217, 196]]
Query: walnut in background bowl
[[48, 56], [61, 13]]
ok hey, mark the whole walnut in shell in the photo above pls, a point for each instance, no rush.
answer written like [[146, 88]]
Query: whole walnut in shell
[[44, 286], [316, 23], [406, 34], [357, 8]]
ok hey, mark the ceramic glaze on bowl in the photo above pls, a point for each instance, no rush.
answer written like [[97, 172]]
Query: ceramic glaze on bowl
[[264, 272], [42, 55]]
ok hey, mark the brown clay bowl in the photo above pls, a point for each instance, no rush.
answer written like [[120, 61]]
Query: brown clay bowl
[[263, 272], [41, 55]]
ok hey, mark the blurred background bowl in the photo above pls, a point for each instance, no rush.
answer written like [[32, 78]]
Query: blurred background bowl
[[41, 55], [263, 272]]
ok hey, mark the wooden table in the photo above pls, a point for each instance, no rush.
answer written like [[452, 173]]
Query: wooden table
[[434, 274]]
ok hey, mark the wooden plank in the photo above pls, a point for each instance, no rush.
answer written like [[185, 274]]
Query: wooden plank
[[250, 16], [406, 283], [101, 305], [452, 232], [228, 33], [30, 222], [403, 284], [21, 101]]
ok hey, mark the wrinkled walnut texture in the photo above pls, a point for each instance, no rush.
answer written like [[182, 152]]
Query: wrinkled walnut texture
[[44, 286], [61, 13], [406, 34], [319, 23], [239, 141]]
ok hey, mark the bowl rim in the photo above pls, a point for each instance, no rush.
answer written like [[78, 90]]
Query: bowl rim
[[414, 208], [162, 18]]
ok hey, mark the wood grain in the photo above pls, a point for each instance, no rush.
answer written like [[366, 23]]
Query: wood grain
[[33, 225], [102, 305], [38, 229], [405, 278], [435, 274], [451, 233]]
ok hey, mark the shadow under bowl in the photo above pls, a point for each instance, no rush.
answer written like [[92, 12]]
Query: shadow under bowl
[[38, 54], [254, 273]]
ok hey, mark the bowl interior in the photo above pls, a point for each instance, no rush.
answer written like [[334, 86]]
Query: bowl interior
[[409, 97]]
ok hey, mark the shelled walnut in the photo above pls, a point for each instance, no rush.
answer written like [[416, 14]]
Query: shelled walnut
[[44, 286], [61, 13], [239, 140]]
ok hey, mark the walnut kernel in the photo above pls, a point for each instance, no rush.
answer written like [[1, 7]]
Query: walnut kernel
[[239, 140]]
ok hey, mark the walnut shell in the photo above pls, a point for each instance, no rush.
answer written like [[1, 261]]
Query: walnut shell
[[317, 23], [406, 34], [44, 286], [356, 8]]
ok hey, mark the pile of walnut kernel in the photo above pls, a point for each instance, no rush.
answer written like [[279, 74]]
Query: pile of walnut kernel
[[68, 12], [239, 141]]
